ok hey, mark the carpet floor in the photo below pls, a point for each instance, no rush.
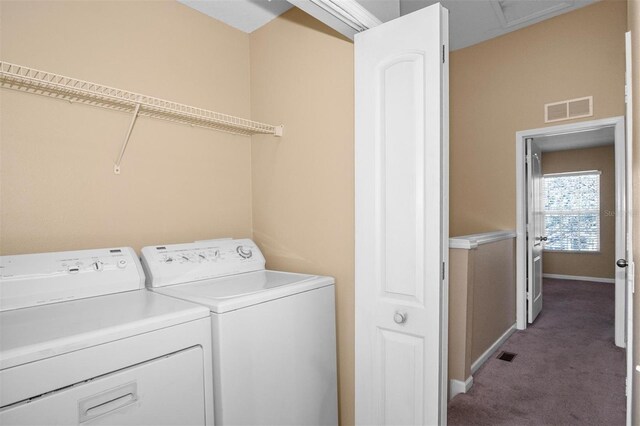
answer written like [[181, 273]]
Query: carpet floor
[[567, 371]]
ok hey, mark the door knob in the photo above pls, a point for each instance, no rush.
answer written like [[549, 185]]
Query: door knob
[[400, 318], [622, 263]]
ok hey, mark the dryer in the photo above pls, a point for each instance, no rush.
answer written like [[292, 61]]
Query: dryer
[[273, 333], [82, 342]]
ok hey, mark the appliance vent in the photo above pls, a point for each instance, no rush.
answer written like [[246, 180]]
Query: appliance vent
[[569, 109]]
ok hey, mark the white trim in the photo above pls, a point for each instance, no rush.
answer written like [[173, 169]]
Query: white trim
[[457, 386], [521, 249], [629, 229], [521, 234], [444, 219], [580, 173], [456, 243], [348, 17], [487, 354], [469, 242], [620, 154], [350, 12], [580, 278]]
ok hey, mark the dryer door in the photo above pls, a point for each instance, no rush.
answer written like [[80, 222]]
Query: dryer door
[[164, 391]]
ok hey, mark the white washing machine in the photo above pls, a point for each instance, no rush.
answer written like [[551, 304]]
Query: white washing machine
[[274, 341], [82, 342]]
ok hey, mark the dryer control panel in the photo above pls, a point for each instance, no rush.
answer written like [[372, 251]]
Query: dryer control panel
[[42, 278], [182, 263]]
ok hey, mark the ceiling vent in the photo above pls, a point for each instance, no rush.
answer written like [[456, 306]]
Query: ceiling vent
[[568, 110], [511, 13]]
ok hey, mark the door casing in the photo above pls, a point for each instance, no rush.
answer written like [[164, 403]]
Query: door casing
[[521, 210], [535, 229]]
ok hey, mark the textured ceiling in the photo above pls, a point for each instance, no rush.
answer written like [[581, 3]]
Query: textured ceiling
[[245, 15], [470, 21]]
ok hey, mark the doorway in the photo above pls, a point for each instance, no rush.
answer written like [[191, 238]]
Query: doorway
[[571, 136]]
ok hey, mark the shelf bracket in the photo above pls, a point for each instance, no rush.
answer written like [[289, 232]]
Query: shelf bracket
[[116, 167]]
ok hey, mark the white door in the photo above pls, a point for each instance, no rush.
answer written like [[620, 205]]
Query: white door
[[535, 230], [401, 80], [629, 228]]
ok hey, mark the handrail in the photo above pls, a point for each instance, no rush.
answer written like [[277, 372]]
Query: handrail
[[474, 240]]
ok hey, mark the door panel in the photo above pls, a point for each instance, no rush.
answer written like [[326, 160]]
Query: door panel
[[535, 230], [401, 220], [402, 369], [399, 151]]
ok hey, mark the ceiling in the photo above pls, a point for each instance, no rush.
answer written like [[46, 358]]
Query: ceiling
[[577, 140], [471, 21], [475, 21], [245, 15]]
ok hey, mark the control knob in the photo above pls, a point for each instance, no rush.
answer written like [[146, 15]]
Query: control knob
[[244, 252]]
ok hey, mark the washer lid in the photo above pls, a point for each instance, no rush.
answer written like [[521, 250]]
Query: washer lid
[[32, 334], [239, 291]]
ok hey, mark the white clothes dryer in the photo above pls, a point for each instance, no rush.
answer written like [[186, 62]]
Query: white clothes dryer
[[82, 342], [274, 342]]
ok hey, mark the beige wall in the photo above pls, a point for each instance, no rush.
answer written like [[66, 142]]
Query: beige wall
[[57, 187], [481, 301], [500, 86], [602, 264], [303, 195], [634, 27], [494, 294], [461, 279]]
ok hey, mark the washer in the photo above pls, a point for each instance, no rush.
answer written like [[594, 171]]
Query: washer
[[82, 342], [273, 333]]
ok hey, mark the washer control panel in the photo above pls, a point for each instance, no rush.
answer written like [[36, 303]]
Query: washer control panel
[[182, 263], [42, 278]]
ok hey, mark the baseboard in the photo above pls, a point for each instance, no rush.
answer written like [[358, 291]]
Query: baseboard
[[487, 354], [578, 278], [458, 386]]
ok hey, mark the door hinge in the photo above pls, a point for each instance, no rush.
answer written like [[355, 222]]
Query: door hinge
[[443, 270], [443, 53], [626, 93]]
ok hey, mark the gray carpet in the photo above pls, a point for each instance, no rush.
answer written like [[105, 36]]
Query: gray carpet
[[567, 372]]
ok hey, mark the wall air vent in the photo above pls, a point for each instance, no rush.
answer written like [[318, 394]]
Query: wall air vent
[[568, 110]]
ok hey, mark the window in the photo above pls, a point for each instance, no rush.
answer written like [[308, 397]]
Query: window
[[572, 211]]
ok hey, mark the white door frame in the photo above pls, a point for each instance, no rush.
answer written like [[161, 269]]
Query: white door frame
[[521, 213], [630, 248]]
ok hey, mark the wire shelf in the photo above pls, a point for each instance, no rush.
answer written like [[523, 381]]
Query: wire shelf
[[45, 83]]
